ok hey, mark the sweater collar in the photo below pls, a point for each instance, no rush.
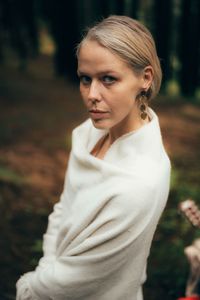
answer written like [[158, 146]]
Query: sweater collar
[[146, 140]]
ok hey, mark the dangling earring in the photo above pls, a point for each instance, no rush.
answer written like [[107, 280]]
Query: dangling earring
[[143, 105]]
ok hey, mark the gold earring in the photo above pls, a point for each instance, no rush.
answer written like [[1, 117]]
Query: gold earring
[[143, 105]]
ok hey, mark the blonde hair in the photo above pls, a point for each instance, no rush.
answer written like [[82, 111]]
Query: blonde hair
[[130, 40]]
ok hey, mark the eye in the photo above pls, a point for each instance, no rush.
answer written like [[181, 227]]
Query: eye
[[108, 79], [85, 79]]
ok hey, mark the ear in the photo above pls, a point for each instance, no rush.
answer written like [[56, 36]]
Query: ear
[[147, 77]]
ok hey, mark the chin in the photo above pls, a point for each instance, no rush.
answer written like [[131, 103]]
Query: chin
[[101, 124]]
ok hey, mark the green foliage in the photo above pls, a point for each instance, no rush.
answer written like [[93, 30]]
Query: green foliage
[[197, 95], [168, 266], [173, 88], [37, 246], [36, 251], [6, 133], [8, 175]]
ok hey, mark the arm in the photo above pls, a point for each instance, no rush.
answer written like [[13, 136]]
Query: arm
[[49, 238], [54, 219], [49, 244], [115, 234]]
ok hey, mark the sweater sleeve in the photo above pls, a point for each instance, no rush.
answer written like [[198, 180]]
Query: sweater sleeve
[[54, 219], [51, 234], [49, 238], [114, 237]]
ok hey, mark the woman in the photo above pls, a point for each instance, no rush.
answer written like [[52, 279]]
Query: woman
[[99, 234]]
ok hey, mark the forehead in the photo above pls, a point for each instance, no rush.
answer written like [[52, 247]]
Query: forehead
[[93, 55]]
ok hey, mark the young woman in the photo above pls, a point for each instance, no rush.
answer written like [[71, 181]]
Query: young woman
[[99, 234]]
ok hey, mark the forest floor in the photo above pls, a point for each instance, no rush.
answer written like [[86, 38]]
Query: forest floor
[[37, 115]]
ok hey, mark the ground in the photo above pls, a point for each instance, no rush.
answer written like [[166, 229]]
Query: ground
[[37, 114]]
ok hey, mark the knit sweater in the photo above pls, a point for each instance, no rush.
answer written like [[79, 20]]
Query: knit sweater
[[100, 232]]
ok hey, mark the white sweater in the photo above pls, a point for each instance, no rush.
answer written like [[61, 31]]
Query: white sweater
[[99, 234]]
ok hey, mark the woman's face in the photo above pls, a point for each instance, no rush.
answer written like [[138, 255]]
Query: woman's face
[[108, 86]]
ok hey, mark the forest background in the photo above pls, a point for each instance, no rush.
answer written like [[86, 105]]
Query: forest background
[[40, 105]]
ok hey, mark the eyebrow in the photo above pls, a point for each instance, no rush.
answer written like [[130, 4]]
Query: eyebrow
[[79, 72]]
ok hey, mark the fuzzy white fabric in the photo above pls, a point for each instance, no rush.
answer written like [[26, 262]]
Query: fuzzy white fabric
[[99, 234]]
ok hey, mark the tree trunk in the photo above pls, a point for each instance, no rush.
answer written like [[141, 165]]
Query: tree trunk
[[64, 26], [189, 47], [135, 7], [162, 34]]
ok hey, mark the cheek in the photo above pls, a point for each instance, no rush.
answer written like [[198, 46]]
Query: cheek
[[83, 94], [123, 104], [81, 91]]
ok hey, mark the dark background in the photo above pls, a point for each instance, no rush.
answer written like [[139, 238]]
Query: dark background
[[40, 105], [175, 25]]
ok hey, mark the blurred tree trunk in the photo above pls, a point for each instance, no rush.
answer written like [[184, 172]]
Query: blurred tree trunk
[[134, 9], [104, 9], [2, 29], [72, 37], [64, 26], [112, 7], [120, 5], [189, 47], [162, 33], [93, 11], [89, 11], [19, 24], [131, 8]]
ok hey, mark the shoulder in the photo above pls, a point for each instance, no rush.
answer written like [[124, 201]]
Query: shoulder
[[80, 134], [82, 127], [148, 185], [134, 202], [149, 171]]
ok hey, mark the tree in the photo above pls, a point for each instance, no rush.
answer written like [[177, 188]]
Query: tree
[[134, 9], [64, 26], [18, 20], [162, 32], [189, 46]]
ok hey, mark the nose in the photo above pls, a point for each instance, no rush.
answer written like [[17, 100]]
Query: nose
[[94, 92]]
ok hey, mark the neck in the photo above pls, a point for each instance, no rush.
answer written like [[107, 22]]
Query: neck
[[130, 123]]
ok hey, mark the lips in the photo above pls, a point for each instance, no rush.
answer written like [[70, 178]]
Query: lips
[[97, 114], [97, 111]]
